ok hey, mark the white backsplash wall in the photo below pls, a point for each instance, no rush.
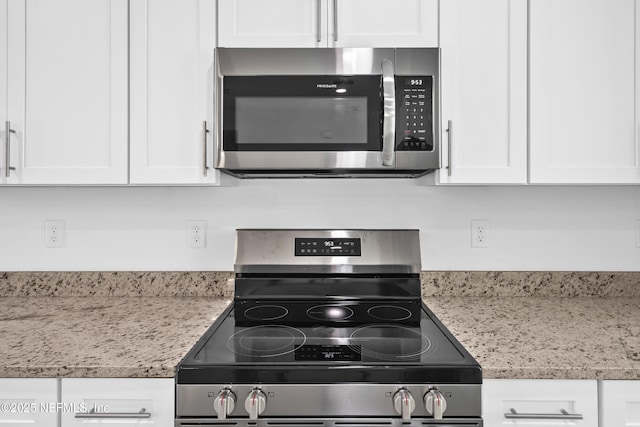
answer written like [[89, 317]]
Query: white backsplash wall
[[140, 229]]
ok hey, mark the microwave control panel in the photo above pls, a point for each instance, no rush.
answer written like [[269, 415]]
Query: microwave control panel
[[414, 113]]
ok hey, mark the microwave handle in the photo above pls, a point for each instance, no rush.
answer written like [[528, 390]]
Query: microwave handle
[[389, 117]]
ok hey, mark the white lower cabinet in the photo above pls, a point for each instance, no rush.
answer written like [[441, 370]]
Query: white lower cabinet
[[540, 402], [620, 403], [28, 402], [121, 402]]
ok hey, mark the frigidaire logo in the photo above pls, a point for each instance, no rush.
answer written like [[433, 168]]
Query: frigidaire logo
[[327, 85]]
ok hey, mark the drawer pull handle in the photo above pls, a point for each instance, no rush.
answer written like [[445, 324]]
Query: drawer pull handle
[[93, 414], [564, 415]]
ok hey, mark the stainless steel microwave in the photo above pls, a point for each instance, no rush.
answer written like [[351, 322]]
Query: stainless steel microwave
[[322, 112]]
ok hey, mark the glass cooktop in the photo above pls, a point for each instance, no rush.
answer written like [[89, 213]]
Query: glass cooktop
[[320, 341]]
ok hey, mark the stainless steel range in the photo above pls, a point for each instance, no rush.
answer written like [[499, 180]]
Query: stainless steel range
[[328, 329]]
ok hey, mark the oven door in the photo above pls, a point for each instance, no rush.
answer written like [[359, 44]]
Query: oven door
[[303, 122]]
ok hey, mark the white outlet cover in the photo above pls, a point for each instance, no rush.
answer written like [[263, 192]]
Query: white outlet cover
[[54, 233], [197, 234]]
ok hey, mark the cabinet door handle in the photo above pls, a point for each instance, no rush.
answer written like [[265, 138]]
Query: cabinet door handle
[[205, 131], [449, 140], [335, 20], [92, 414], [564, 415], [7, 149], [318, 20]]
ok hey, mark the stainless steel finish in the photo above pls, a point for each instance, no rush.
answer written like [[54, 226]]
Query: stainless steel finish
[[302, 61], [449, 138], [328, 422], [404, 403], [218, 155], [563, 415], [92, 414], [7, 153], [318, 20], [302, 160], [325, 61], [383, 251], [255, 403], [435, 403], [328, 401], [335, 20], [224, 403], [205, 131], [389, 106]]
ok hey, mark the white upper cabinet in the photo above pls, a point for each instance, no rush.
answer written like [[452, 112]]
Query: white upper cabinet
[[484, 98], [383, 23], [67, 91], [583, 91], [3, 88], [172, 43], [273, 23], [328, 23]]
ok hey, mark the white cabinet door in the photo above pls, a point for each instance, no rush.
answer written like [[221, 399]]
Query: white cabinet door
[[583, 94], [484, 83], [3, 87], [68, 91], [540, 402], [172, 43], [28, 402], [273, 23], [137, 401], [620, 403], [383, 23]]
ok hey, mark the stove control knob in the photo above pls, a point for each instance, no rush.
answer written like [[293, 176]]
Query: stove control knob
[[256, 403], [404, 403], [224, 403], [435, 403]]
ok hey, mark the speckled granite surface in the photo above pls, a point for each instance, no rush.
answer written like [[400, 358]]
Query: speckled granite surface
[[217, 285], [140, 324], [100, 337], [153, 283], [564, 338], [511, 337], [530, 283]]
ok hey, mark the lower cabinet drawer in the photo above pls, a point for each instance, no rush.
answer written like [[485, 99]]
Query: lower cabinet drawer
[[540, 402], [28, 402], [121, 402]]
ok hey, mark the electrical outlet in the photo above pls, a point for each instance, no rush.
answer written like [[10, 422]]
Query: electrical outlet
[[54, 233], [638, 233], [480, 230], [197, 234]]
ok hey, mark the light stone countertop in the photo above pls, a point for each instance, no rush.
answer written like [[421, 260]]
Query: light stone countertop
[[556, 338], [100, 336], [511, 337]]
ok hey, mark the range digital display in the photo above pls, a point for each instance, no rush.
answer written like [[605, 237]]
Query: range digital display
[[327, 247], [328, 353]]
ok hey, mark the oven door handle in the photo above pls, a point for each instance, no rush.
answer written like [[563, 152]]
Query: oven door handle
[[389, 117]]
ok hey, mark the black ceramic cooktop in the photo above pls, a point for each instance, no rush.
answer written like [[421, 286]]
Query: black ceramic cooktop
[[327, 342]]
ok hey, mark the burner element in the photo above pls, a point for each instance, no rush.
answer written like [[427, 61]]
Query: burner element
[[330, 312], [266, 312], [266, 341], [373, 341], [389, 312]]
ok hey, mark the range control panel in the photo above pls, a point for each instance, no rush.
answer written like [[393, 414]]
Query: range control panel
[[327, 247], [414, 117]]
